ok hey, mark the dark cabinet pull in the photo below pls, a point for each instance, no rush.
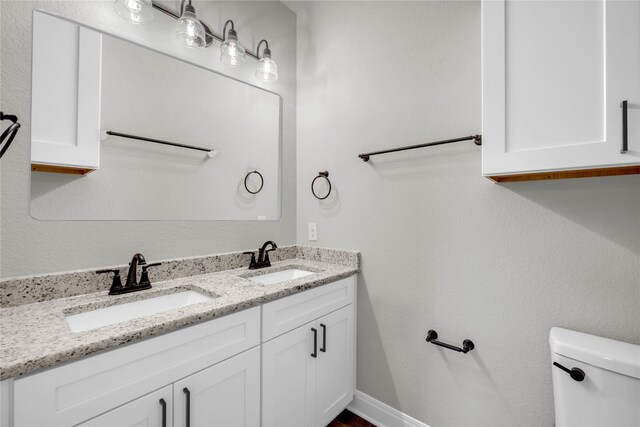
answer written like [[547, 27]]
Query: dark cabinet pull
[[625, 141], [188, 410], [576, 374], [324, 338], [164, 412], [315, 342]]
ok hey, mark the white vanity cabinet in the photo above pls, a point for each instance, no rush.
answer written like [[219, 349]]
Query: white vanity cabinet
[[260, 366], [308, 370], [117, 382], [65, 103], [554, 75]]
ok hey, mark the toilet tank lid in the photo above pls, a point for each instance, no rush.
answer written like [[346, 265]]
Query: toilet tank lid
[[604, 353]]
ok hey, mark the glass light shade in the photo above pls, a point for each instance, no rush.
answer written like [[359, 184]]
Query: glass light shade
[[189, 30], [267, 69], [231, 52], [136, 11]]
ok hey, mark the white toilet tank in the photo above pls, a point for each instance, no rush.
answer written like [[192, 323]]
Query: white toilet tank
[[609, 394]]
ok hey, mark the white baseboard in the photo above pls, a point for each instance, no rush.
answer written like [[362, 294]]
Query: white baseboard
[[381, 414]]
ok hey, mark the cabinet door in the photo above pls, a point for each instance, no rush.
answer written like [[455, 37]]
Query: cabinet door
[[335, 368], [154, 409], [65, 99], [226, 394], [554, 76], [288, 379]]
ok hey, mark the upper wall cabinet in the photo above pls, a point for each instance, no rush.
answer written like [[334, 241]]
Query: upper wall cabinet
[[554, 76], [65, 108]]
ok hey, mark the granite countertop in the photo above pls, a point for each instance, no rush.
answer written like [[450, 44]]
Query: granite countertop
[[36, 336]]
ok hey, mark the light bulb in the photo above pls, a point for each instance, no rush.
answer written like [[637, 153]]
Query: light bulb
[[231, 52], [136, 11], [134, 6], [190, 31], [267, 68]]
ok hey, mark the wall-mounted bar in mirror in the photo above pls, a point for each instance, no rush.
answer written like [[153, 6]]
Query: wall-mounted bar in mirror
[[210, 152]]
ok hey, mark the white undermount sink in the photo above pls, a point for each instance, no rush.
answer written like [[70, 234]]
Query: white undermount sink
[[111, 315], [280, 276]]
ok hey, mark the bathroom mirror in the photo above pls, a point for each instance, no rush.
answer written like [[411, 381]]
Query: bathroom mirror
[[146, 94]]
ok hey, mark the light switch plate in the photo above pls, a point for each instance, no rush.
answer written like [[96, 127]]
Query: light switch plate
[[313, 232]]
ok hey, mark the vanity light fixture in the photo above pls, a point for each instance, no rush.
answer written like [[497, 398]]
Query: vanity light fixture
[[189, 29], [267, 68], [136, 11], [231, 51], [194, 33]]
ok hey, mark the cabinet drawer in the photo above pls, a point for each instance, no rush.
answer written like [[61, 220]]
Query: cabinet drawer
[[75, 392], [149, 410], [289, 313]]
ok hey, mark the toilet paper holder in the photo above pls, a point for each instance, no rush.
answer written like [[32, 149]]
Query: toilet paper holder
[[467, 345]]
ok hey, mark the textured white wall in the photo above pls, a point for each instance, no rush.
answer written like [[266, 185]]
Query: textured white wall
[[442, 247], [29, 246]]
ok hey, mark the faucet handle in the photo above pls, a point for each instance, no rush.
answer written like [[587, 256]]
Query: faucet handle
[[267, 261], [116, 285], [108, 270], [253, 264], [144, 277], [153, 264]]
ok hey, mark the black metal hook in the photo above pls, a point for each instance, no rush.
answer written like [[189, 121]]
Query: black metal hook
[[261, 182], [325, 175], [467, 345], [10, 133]]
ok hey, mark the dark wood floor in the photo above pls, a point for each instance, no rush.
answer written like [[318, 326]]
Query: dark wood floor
[[349, 419]]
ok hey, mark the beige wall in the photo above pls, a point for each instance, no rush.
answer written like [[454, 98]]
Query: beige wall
[[29, 246], [442, 247]]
